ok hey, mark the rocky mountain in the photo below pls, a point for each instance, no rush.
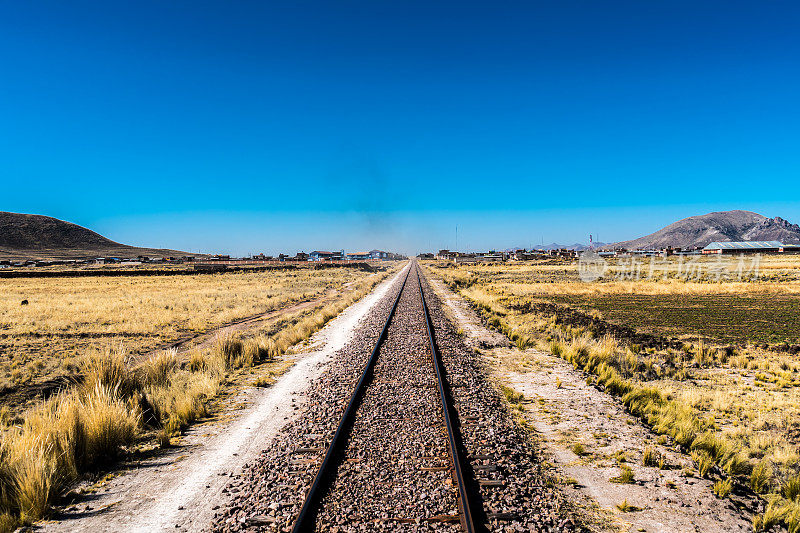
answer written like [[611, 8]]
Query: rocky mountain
[[719, 226], [41, 237]]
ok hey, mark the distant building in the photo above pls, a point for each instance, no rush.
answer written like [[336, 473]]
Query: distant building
[[791, 248], [318, 255], [744, 247]]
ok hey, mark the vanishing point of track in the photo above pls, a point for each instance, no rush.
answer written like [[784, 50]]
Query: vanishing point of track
[[469, 507]]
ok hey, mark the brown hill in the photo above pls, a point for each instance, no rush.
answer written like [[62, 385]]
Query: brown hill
[[720, 226], [40, 237]]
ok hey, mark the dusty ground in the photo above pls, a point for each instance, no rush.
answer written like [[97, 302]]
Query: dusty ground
[[564, 411], [179, 490]]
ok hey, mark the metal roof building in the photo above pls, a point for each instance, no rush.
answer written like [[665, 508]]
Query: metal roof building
[[744, 247]]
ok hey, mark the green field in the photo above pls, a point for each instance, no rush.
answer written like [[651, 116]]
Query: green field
[[722, 318]]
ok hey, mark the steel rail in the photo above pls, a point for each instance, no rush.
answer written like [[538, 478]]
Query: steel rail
[[471, 510], [306, 520]]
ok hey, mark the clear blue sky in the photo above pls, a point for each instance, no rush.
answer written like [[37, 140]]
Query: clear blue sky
[[276, 126]]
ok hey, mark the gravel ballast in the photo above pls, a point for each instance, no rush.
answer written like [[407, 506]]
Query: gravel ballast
[[395, 474]]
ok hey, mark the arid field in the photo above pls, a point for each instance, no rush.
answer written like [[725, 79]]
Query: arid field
[[88, 373], [709, 362], [66, 317]]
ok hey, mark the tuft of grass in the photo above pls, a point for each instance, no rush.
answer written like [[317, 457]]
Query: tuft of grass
[[704, 462], [168, 430], [109, 368], [760, 477], [230, 349], [736, 464], [625, 475], [718, 447], [578, 449], [651, 457], [723, 487], [774, 514], [556, 348], [159, 368], [69, 434], [790, 488], [523, 342], [108, 424], [264, 381], [512, 396], [625, 507], [259, 349]]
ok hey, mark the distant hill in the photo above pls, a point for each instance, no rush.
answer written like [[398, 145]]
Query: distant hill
[[40, 237], [720, 226]]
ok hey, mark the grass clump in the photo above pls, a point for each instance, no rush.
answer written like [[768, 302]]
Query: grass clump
[[158, 369], [512, 396], [651, 457], [703, 461], [722, 488], [578, 449], [625, 475], [790, 488], [65, 436], [625, 507], [523, 342], [760, 477], [264, 381], [109, 368], [84, 429]]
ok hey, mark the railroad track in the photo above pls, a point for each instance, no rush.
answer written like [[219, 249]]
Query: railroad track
[[470, 513]]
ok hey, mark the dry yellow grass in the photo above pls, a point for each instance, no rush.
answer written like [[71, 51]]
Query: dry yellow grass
[[116, 405], [67, 317], [737, 409]]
